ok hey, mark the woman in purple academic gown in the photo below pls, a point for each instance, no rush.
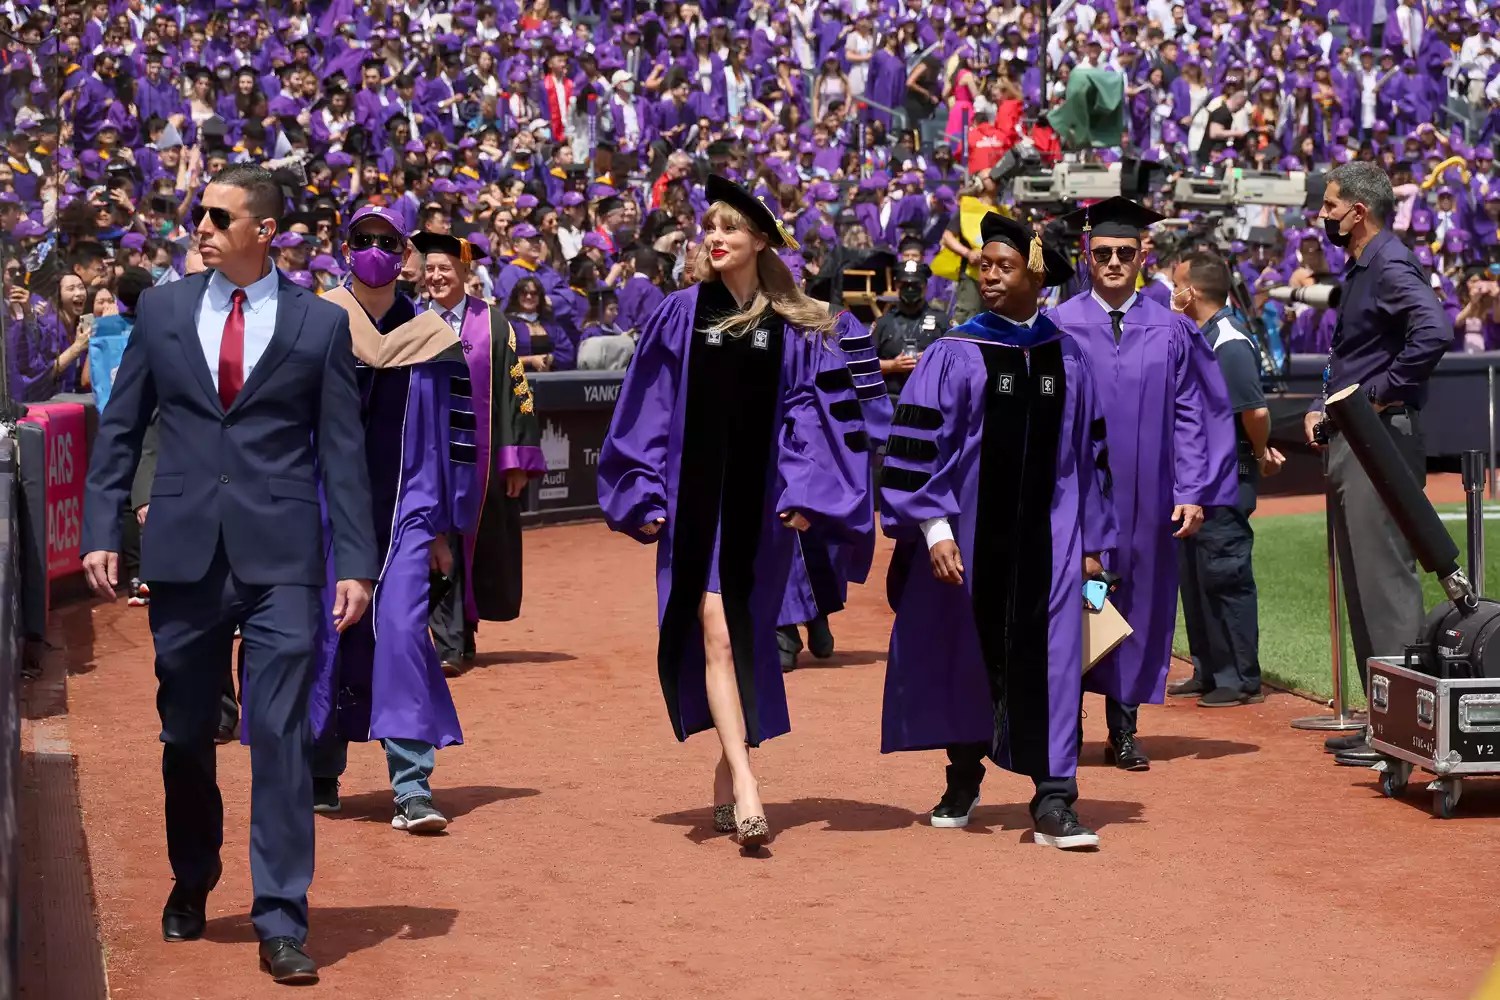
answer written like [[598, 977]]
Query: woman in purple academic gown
[[996, 486], [737, 422]]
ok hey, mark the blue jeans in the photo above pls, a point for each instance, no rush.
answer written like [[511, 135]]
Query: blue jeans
[[410, 763]]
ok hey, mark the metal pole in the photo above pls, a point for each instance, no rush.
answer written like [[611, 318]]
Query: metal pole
[[1490, 379], [1340, 720], [1473, 473]]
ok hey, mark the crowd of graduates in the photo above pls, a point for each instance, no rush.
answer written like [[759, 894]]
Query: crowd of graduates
[[568, 141]]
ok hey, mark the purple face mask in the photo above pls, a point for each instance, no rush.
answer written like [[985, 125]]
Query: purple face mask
[[375, 267]]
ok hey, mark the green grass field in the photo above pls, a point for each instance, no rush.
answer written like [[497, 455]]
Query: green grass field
[[1291, 574]]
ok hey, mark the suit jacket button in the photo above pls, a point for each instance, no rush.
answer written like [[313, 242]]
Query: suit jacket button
[[223, 479], [228, 422]]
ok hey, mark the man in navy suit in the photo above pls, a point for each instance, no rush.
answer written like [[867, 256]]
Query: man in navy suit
[[253, 382]]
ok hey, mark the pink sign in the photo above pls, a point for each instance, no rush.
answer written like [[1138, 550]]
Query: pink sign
[[67, 465]]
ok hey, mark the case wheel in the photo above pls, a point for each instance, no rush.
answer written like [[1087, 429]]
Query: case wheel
[[1393, 784], [1445, 798]]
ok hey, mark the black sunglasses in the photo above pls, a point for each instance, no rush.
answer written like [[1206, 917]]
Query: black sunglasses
[[1103, 254], [221, 218], [389, 242]]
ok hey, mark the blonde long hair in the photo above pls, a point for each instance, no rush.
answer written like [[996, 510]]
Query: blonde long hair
[[777, 289]]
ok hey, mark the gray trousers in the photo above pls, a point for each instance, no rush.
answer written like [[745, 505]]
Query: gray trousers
[[1381, 586], [967, 302]]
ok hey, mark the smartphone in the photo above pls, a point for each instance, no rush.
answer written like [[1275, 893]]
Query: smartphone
[[1094, 593]]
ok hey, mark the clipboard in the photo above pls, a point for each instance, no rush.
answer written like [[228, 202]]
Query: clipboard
[[1103, 630]]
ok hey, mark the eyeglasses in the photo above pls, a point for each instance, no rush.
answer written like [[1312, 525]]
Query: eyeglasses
[[221, 218], [389, 242], [1103, 254]]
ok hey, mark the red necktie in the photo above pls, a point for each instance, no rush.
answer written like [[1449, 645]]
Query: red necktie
[[232, 350]]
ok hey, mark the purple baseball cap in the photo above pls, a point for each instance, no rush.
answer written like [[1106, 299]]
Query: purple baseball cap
[[444, 186], [28, 229], [382, 213], [570, 199], [526, 201], [325, 262], [133, 241], [414, 146], [285, 240], [590, 239], [1483, 153], [1423, 254], [302, 278], [524, 231], [338, 159]]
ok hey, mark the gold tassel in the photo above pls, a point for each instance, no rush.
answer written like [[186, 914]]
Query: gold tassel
[[465, 251], [1036, 263], [787, 239]]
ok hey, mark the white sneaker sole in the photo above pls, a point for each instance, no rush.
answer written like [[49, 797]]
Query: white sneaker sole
[[1073, 843], [432, 824], [954, 822]]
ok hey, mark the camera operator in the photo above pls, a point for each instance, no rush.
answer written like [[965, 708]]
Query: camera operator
[[1391, 333], [1218, 583]]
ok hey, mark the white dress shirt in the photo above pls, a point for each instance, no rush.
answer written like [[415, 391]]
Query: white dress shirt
[[261, 299], [1125, 308], [453, 317], [937, 529]]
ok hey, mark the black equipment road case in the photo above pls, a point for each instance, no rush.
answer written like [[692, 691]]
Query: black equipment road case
[[1449, 726]]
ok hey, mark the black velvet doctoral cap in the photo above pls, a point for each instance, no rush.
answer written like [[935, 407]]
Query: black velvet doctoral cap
[[752, 208], [455, 247], [997, 228]]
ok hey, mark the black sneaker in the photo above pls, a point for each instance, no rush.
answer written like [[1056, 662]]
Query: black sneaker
[[1190, 688], [326, 795], [1221, 698], [955, 808], [418, 816], [1060, 828], [820, 638]]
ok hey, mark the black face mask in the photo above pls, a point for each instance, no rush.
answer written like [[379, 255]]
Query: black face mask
[[406, 287], [1331, 227], [910, 294]]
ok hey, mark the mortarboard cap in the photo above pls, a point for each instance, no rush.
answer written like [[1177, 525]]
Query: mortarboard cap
[[1115, 217]]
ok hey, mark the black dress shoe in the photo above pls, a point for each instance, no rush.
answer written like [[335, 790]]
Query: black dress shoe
[[1221, 698], [1362, 756], [287, 963], [186, 912], [1122, 752], [225, 733], [788, 645], [1348, 741], [820, 638], [1190, 688]]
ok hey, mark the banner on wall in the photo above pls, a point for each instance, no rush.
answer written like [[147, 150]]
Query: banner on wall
[[66, 458]]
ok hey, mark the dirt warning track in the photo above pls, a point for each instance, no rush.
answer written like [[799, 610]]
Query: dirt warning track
[[581, 861]]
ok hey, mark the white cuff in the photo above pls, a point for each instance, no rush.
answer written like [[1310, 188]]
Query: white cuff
[[936, 529]]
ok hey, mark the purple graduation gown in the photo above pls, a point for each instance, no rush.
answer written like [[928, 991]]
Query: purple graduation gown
[[1007, 443], [1171, 441], [823, 565], [506, 436], [394, 688], [719, 435]]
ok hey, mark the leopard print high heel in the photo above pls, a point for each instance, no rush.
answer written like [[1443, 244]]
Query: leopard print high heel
[[724, 819]]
